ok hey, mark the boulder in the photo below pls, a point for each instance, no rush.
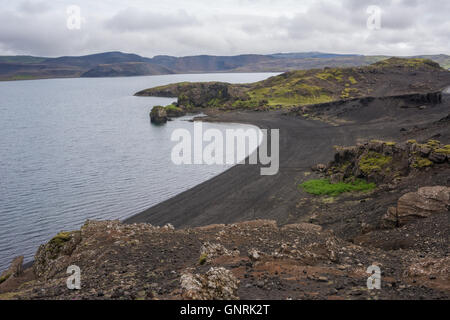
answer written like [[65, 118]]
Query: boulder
[[210, 251], [421, 204], [216, 284], [158, 115], [437, 157]]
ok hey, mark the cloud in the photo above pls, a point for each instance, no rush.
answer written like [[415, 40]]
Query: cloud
[[134, 19], [33, 7], [178, 27]]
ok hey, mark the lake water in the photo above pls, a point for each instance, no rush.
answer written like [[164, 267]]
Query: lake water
[[78, 149]]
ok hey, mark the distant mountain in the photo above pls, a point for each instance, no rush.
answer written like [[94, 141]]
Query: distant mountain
[[117, 64], [93, 60], [206, 63], [305, 55], [126, 69]]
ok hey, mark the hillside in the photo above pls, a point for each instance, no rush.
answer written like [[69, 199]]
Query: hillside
[[125, 69], [394, 76], [125, 64]]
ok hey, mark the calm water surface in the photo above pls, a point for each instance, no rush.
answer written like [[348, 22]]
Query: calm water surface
[[78, 149]]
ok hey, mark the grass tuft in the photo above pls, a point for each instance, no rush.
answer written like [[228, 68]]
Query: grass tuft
[[325, 187]]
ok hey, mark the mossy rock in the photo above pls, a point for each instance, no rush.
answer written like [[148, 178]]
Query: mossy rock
[[374, 162], [433, 143], [420, 162], [174, 111], [444, 150], [63, 244], [158, 115], [60, 238], [203, 259]]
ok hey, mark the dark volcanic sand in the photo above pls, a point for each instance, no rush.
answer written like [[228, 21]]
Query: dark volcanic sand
[[242, 194]]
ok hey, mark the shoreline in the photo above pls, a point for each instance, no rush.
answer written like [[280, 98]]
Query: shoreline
[[218, 201], [241, 194]]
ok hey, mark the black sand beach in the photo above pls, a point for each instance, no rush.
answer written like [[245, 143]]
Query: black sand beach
[[242, 194]]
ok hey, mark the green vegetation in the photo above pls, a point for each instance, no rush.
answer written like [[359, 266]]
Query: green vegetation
[[4, 278], [349, 93], [420, 162], [374, 162], [402, 62], [61, 238], [352, 80], [202, 259], [445, 149], [290, 92], [173, 108], [325, 187], [331, 75], [22, 77], [433, 143]]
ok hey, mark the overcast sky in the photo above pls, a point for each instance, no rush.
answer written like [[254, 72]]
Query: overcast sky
[[225, 27]]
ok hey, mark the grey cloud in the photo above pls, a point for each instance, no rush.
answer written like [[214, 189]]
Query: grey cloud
[[33, 7], [224, 28], [133, 19]]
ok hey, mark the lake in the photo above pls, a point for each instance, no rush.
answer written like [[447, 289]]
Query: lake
[[78, 149]]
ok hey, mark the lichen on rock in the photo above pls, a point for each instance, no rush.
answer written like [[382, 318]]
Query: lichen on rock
[[51, 257], [216, 284]]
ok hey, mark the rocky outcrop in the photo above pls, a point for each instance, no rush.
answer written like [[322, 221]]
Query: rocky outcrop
[[15, 270], [173, 111], [416, 205], [216, 284], [53, 256], [382, 161], [158, 115], [200, 95], [209, 251]]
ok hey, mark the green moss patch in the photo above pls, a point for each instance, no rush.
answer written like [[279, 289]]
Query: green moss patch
[[420, 162], [374, 162], [325, 187], [202, 259], [60, 238], [5, 277], [445, 150], [433, 143]]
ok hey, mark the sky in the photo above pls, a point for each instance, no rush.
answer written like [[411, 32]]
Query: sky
[[225, 27]]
